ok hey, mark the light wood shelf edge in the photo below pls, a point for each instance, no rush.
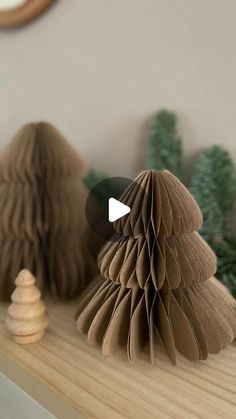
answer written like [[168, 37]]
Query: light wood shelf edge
[[73, 380], [43, 394]]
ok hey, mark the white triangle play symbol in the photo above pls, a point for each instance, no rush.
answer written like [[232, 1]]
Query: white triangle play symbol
[[116, 209]]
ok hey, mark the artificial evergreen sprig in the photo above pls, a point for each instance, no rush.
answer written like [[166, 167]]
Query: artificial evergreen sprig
[[164, 144], [226, 263], [214, 186], [92, 178]]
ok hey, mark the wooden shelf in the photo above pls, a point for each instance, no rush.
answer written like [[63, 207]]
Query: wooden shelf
[[73, 380]]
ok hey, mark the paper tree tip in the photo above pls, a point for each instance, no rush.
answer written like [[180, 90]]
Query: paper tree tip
[[160, 202]]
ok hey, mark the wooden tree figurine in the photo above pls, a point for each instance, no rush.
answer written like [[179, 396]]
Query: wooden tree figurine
[[155, 279], [27, 317], [42, 200]]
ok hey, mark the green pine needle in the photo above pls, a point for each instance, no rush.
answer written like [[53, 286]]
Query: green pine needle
[[213, 186], [226, 263], [92, 178], [108, 188], [165, 149]]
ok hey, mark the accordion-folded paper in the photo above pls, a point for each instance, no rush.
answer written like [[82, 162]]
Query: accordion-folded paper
[[42, 201], [157, 280]]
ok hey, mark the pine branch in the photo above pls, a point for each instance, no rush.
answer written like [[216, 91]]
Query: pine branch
[[213, 186], [92, 178], [226, 263], [165, 149], [108, 188]]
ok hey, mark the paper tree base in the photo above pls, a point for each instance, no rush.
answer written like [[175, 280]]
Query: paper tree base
[[196, 321]]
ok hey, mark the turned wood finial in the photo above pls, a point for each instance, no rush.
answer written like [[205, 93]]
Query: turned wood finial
[[27, 316]]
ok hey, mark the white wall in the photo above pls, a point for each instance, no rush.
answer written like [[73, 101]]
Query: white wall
[[98, 69]]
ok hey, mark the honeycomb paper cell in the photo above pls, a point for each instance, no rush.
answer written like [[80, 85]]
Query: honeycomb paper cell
[[157, 280], [42, 217]]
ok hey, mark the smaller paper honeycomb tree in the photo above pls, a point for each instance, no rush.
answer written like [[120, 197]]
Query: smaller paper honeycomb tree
[[27, 317], [42, 213], [157, 279]]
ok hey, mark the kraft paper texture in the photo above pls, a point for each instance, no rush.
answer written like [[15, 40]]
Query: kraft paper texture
[[157, 281], [42, 217]]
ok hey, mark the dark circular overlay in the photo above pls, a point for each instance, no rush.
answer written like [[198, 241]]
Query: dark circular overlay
[[97, 206]]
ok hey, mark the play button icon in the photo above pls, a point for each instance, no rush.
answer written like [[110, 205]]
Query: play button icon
[[105, 205], [116, 210]]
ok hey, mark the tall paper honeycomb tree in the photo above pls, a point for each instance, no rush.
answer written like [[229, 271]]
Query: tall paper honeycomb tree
[[42, 212], [157, 279]]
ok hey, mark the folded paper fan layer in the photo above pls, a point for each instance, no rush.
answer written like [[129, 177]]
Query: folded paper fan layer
[[157, 279], [42, 217], [195, 321], [179, 260]]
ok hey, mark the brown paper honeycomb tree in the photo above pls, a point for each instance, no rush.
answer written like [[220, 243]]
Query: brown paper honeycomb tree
[[42, 201], [157, 279]]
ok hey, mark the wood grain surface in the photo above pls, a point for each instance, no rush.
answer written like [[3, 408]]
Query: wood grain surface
[[72, 379]]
